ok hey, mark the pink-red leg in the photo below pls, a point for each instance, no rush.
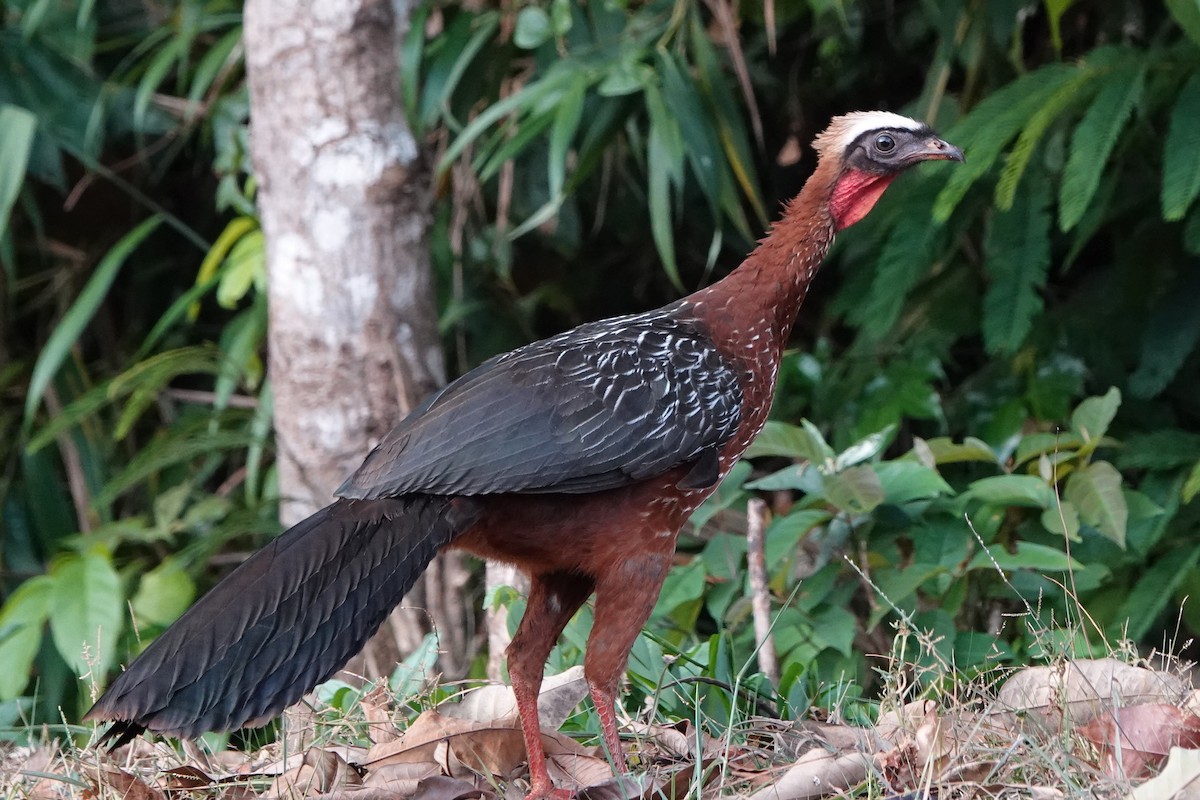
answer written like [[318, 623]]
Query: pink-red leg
[[624, 601], [553, 599]]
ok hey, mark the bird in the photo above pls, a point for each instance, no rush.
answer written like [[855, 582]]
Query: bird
[[577, 458]]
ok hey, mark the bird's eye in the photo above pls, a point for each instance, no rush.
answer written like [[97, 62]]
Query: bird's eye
[[884, 143]]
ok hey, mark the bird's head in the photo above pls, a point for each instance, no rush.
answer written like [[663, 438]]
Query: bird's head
[[866, 150]]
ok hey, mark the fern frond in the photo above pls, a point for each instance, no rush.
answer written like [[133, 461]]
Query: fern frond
[[1017, 248], [984, 132], [1070, 94], [1094, 139], [905, 258], [1181, 153], [1171, 335], [1163, 449]]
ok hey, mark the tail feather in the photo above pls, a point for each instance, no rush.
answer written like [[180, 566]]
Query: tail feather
[[285, 620]]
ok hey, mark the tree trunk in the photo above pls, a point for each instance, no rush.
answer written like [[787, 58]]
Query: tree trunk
[[344, 198]]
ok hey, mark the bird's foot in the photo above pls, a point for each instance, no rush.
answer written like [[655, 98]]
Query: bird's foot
[[549, 793]]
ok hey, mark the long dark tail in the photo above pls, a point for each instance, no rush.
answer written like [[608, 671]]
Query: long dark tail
[[282, 622]]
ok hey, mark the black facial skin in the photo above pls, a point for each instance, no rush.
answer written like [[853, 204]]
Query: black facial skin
[[887, 150]]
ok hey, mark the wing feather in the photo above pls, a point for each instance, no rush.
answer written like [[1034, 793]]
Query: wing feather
[[594, 408]]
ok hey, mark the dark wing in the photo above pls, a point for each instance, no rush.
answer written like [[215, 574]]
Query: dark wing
[[594, 408]]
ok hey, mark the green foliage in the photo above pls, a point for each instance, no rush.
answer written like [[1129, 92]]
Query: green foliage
[[1001, 406]]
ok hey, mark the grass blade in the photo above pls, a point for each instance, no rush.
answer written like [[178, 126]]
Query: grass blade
[[69, 329]]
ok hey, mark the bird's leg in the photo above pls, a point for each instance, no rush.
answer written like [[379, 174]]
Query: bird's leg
[[624, 600], [553, 599]]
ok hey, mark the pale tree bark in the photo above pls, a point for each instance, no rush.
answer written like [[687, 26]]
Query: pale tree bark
[[344, 199]]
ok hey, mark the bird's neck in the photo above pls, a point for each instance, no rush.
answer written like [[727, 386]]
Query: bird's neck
[[765, 292]]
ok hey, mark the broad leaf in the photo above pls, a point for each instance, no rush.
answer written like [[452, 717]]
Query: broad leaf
[[856, 490], [1029, 555], [865, 448], [904, 481], [946, 451], [1013, 490], [792, 441], [21, 622], [163, 594], [1091, 418], [1062, 519], [1096, 491], [86, 611]]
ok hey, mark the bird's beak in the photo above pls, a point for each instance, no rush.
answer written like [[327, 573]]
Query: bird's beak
[[931, 148]]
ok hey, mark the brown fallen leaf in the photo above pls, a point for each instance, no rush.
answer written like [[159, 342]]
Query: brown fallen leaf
[[1081, 690], [818, 773], [322, 771], [187, 777], [558, 698], [1135, 740], [401, 778], [441, 787], [574, 771], [375, 706], [1179, 779], [621, 787], [122, 784], [494, 748]]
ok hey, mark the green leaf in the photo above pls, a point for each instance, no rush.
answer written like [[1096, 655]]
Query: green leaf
[[1037, 557], [781, 439], [1166, 448], [946, 451], [1013, 490], [543, 92], [1191, 486], [566, 123], [1187, 14], [1018, 255], [1172, 332], [684, 584], [86, 612], [71, 326], [904, 260], [163, 593], [1181, 152], [1035, 444], [1091, 418], [247, 267], [664, 167], [800, 477], [856, 490], [1094, 139], [1015, 165], [904, 481], [21, 621], [1151, 593], [865, 448], [1062, 519], [1096, 491], [533, 28], [17, 128], [1054, 12], [992, 124]]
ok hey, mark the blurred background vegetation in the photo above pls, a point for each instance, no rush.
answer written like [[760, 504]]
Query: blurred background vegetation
[[987, 429]]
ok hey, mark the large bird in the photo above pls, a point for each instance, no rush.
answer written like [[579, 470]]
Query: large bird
[[577, 458]]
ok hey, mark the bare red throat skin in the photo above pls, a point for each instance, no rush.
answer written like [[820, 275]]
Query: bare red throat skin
[[855, 194]]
